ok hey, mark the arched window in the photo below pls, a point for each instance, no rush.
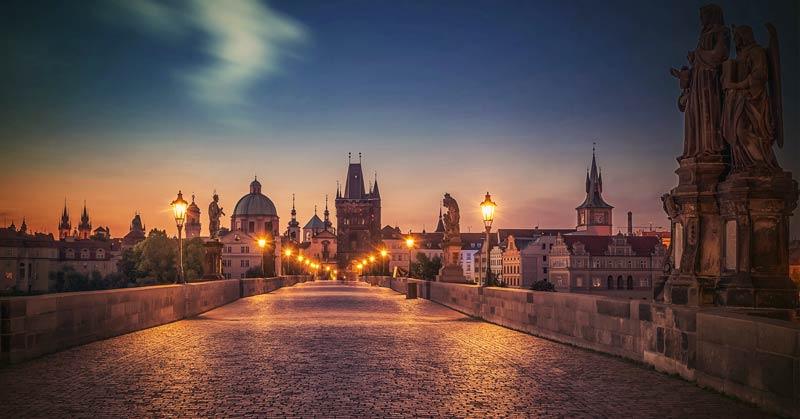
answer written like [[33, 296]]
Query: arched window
[[101, 254], [619, 283], [630, 282], [84, 253], [610, 282], [70, 254]]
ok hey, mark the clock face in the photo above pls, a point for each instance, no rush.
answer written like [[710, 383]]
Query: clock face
[[598, 218]]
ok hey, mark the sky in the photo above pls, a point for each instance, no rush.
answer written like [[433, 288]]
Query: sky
[[121, 104]]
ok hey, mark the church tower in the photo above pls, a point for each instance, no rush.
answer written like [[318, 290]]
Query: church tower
[[358, 216], [594, 214], [293, 232], [64, 226], [85, 227], [192, 220]]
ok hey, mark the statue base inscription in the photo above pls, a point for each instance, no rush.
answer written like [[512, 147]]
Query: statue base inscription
[[212, 260]]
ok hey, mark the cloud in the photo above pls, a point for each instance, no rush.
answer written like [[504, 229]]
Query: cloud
[[245, 41]]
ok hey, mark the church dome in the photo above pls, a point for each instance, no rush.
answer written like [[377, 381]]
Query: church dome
[[255, 203]]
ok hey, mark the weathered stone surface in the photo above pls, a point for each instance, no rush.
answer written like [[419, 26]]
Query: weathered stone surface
[[331, 350]]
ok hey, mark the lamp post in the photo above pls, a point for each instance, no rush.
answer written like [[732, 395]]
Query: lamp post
[[262, 243], [179, 210], [410, 245], [487, 210], [288, 253], [384, 255]]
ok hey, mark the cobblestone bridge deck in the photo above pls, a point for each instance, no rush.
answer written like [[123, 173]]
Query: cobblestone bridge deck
[[331, 350]]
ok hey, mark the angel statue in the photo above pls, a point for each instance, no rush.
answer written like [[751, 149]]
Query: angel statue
[[752, 110]]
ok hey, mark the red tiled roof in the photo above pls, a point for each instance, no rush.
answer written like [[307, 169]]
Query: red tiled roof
[[598, 245]]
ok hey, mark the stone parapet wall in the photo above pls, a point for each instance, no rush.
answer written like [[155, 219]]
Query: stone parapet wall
[[753, 358], [34, 326]]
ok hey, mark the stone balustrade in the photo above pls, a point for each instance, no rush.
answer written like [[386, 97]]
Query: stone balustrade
[[33, 326], [754, 358]]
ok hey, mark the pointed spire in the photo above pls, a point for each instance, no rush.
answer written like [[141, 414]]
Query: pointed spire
[[315, 210], [376, 193], [594, 186], [327, 214], [440, 225]]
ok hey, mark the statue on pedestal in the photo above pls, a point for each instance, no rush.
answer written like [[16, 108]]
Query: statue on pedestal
[[701, 91], [451, 243], [730, 211], [752, 111], [214, 213]]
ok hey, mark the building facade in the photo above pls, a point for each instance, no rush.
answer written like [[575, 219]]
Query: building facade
[[358, 217], [622, 266], [254, 218]]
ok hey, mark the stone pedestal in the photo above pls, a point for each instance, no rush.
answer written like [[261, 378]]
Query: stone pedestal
[[755, 211], [212, 260], [692, 207], [730, 236], [451, 263]]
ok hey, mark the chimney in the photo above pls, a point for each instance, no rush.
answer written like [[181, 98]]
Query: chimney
[[630, 223]]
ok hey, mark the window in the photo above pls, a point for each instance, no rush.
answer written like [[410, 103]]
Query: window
[[245, 249], [630, 264], [70, 254], [619, 282], [84, 253], [544, 246], [644, 282], [251, 226], [610, 282], [228, 251], [579, 282], [226, 262], [101, 254], [238, 224], [597, 263], [544, 270], [630, 282], [227, 276], [643, 264], [544, 258]]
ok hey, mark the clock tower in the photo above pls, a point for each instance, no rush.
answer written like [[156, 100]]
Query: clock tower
[[594, 214]]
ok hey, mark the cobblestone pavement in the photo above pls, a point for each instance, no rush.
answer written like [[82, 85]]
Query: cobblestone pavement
[[331, 350]]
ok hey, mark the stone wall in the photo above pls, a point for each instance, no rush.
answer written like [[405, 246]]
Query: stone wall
[[33, 326], [753, 358]]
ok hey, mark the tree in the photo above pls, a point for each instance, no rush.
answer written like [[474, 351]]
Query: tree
[[425, 267], [193, 254], [543, 285], [157, 256], [254, 272]]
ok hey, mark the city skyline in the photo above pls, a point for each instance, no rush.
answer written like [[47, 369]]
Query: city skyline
[[126, 104]]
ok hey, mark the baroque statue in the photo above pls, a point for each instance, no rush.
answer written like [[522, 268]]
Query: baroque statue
[[451, 219], [701, 89], [752, 109], [214, 212]]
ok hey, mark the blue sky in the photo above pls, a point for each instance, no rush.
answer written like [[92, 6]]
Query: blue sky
[[122, 103]]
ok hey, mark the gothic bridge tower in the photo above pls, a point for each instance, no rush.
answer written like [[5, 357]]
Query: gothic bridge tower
[[358, 215]]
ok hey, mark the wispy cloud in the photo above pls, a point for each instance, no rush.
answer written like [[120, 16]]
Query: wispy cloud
[[246, 41]]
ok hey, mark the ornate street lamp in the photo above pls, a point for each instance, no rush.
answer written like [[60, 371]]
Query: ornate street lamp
[[262, 243], [179, 210], [487, 210], [410, 245]]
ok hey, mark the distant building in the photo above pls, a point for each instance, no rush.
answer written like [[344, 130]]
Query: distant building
[[136, 233], [594, 214], [26, 259], [192, 224], [319, 241], [358, 216], [622, 266], [254, 217], [293, 229], [794, 261]]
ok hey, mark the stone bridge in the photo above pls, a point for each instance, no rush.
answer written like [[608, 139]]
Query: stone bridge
[[344, 349]]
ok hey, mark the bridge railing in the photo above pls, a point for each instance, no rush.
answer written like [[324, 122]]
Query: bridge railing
[[753, 358], [37, 325]]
